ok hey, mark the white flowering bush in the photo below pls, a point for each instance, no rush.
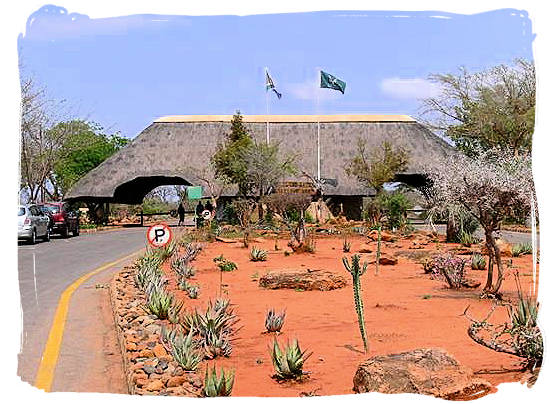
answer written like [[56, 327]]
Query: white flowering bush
[[490, 186]]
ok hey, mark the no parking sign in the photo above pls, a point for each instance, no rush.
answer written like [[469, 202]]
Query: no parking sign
[[159, 235]]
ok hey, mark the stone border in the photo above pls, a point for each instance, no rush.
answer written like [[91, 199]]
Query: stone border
[[149, 368]]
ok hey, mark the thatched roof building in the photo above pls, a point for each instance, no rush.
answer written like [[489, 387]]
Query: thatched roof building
[[174, 148]]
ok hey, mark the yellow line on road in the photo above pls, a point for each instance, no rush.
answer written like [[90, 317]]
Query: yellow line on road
[[46, 370]]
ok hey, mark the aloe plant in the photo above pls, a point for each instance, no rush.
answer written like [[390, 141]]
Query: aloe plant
[[174, 312], [193, 292], [218, 386], [521, 249], [185, 351], [159, 303], [274, 321], [257, 254], [346, 246], [288, 361], [478, 262], [356, 271]]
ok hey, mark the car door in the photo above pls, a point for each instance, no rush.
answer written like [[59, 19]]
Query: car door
[[40, 221]]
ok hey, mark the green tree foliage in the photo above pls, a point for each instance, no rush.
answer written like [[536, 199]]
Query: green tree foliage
[[379, 165], [84, 149], [227, 160], [488, 109]]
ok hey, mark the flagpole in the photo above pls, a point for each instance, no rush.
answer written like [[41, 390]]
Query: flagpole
[[318, 129], [267, 109]]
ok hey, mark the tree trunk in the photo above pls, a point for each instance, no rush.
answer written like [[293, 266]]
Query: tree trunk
[[500, 270], [452, 230], [489, 242]]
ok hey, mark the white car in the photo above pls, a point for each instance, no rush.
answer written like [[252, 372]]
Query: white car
[[32, 223]]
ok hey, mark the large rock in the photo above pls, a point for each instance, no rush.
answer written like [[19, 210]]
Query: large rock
[[430, 371], [302, 279]]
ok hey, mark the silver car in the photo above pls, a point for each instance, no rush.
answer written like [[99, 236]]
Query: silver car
[[32, 223]]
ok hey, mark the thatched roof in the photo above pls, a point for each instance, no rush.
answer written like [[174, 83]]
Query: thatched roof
[[173, 149]]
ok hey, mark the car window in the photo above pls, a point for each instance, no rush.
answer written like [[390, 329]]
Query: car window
[[52, 208], [21, 212]]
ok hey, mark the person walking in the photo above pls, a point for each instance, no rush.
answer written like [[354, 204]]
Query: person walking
[[181, 214]]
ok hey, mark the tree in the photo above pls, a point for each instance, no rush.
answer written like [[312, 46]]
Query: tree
[[490, 186], [227, 160], [491, 108], [283, 204], [379, 165], [264, 167], [84, 148]]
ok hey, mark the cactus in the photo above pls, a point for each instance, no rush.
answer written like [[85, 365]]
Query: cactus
[[356, 271]]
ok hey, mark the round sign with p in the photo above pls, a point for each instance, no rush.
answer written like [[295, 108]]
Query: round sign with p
[[159, 235]]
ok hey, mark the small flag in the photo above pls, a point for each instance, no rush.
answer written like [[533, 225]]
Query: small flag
[[270, 85], [329, 81]]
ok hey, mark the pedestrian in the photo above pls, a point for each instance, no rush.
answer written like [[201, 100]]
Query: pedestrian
[[181, 214], [198, 212]]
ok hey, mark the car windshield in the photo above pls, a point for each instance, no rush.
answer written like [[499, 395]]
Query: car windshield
[[21, 212], [53, 209]]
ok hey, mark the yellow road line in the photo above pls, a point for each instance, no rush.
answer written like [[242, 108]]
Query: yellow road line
[[46, 370]]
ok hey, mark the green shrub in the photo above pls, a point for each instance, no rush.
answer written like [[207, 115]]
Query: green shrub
[[288, 361], [396, 205], [309, 218], [257, 254], [215, 386], [224, 264]]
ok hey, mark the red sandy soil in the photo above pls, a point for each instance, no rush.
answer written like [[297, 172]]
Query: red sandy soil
[[404, 310]]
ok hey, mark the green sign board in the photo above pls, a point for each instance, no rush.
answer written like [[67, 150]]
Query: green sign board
[[194, 192]]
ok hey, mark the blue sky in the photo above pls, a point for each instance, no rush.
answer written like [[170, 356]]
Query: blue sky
[[124, 72]]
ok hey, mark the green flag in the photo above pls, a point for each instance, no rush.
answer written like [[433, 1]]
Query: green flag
[[330, 81]]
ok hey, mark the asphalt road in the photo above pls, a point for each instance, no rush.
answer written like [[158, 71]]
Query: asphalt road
[[47, 269]]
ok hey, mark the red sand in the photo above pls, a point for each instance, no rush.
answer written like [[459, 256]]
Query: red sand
[[398, 316]]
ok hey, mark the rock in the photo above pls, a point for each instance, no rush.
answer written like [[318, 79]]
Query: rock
[[302, 279], [155, 385], [149, 369], [388, 260], [226, 240], [364, 249], [384, 236], [430, 371], [176, 381], [141, 381], [159, 351]]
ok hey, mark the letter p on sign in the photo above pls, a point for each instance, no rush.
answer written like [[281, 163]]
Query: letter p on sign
[[159, 235]]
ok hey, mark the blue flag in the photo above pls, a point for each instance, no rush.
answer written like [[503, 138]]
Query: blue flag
[[270, 85]]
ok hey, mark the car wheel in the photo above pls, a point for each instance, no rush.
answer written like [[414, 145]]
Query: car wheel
[[65, 232], [47, 235], [32, 240], [76, 231]]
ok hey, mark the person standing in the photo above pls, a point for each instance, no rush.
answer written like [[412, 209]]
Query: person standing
[[181, 214]]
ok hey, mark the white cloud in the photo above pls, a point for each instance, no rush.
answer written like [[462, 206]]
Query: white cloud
[[310, 90], [414, 88]]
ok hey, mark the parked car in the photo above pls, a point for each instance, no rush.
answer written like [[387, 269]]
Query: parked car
[[65, 219], [32, 224], [48, 213]]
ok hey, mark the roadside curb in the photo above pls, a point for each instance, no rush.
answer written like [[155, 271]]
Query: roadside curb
[[120, 337]]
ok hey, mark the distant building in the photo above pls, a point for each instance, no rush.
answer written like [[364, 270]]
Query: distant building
[[172, 149]]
